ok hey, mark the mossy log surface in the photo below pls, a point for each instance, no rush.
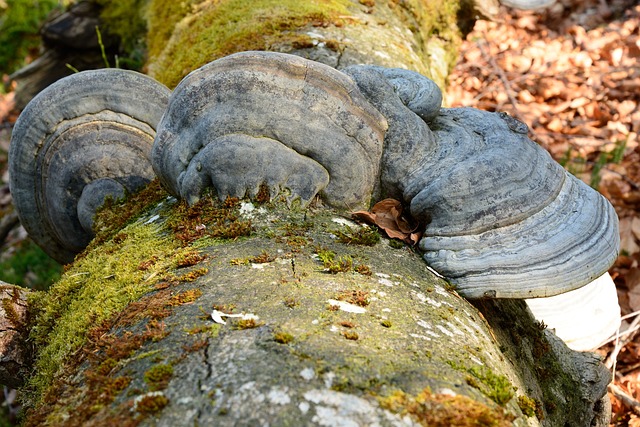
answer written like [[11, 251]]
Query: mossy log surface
[[333, 333], [417, 35]]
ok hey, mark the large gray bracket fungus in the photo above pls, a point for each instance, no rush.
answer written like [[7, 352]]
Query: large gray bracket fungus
[[284, 121], [503, 219], [85, 137]]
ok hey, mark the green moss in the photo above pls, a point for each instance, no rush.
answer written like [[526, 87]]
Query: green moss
[[355, 296], [20, 22], [438, 410], [94, 288], [126, 20], [208, 218], [334, 265], [527, 405], [115, 214], [396, 244], [208, 29], [434, 24], [496, 387], [158, 377], [151, 403], [249, 323], [367, 236], [350, 335], [283, 337]]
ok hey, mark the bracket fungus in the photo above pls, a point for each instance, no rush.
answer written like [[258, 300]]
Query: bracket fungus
[[503, 219], [283, 121], [82, 139]]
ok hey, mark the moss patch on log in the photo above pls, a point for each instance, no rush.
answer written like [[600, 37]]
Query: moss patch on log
[[289, 292], [186, 35]]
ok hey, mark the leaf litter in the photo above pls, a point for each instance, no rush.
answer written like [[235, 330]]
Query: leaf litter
[[572, 74]]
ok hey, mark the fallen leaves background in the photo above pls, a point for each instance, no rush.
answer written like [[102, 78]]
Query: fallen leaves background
[[572, 74]]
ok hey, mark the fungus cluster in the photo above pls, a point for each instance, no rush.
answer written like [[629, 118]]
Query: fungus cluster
[[503, 220]]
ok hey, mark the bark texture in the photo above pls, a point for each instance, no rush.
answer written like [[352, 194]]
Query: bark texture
[[381, 341]]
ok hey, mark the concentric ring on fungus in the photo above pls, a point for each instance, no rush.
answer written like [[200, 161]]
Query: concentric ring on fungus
[[507, 221], [85, 137], [314, 132]]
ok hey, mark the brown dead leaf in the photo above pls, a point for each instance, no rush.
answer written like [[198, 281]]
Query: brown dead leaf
[[6, 105], [632, 280], [627, 238], [388, 215]]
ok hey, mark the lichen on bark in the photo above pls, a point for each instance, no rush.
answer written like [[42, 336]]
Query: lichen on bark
[[354, 342]]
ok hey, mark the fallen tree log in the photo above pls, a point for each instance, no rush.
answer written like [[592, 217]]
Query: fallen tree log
[[330, 333]]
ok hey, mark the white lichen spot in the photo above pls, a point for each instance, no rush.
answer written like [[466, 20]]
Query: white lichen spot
[[444, 330], [328, 379], [217, 316], [382, 294], [152, 219], [424, 324], [447, 392], [246, 208], [442, 291], [334, 408], [381, 54], [334, 328], [454, 329], [304, 407], [308, 374], [475, 360], [385, 282], [433, 334], [315, 35], [278, 396], [344, 221], [185, 400], [433, 302], [386, 310], [315, 322], [420, 337], [419, 296], [383, 275], [348, 307], [257, 266]]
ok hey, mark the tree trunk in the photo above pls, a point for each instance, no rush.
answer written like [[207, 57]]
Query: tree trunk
[[333, 328]]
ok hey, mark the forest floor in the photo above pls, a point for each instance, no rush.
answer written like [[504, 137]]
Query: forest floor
[[572, 74]]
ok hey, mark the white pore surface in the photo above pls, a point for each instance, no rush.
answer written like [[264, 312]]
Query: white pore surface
[[582, 318]]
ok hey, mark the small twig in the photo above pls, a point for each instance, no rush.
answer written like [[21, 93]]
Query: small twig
[[627, 316], [633, 328], [627, 400], [618, 336]]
